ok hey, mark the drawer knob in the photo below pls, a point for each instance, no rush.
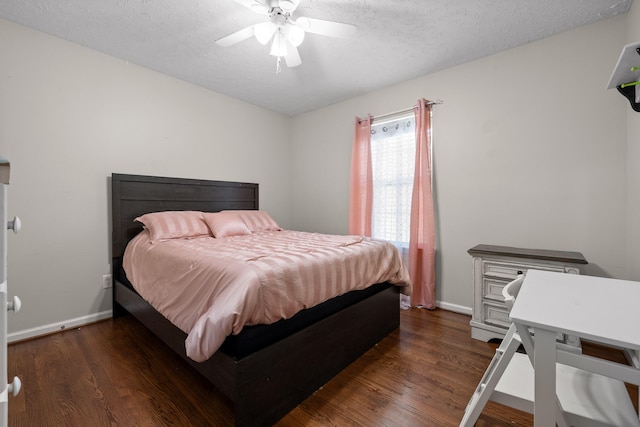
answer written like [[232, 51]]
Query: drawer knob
[[14, 225], [14, 305]]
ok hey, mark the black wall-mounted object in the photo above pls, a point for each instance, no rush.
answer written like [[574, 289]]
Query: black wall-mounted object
[[629, 92]]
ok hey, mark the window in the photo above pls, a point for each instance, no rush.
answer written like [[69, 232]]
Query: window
[[393, 149], [384, 186]]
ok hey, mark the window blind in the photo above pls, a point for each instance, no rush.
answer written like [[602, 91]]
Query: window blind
[[393, 162]]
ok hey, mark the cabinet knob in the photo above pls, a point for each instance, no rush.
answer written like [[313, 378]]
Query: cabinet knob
[[14, 305], [15, 386], [14, 225]]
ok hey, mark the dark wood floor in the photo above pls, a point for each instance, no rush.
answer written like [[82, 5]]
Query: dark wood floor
[[116, 373]]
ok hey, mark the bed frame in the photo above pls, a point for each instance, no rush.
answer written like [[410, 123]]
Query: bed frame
[[268, 383]]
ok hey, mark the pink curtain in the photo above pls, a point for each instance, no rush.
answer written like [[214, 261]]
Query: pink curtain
[[421, 237], [361, 190]]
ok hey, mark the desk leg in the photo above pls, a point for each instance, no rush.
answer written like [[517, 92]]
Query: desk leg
[[544, 357]]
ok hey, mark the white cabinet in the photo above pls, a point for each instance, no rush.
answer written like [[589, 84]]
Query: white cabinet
[[494, 267], [5, 304]]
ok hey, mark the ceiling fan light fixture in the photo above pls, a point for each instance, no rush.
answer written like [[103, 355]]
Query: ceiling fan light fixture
[[264, 31], [279, 45], [294, 34], [303, 23]]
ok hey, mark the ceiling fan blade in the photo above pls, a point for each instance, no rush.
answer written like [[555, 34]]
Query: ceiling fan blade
[[326, 28], [236, 37], [293, 56], [259, 6]]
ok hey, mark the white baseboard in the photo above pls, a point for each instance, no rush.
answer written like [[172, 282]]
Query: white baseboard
[[59, 326], [454, 307], [92, 318]]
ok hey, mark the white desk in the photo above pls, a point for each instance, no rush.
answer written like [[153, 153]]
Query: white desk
[[594, 308]]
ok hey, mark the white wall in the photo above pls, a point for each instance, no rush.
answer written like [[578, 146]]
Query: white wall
[[529, 151], [69, 117], [633, 162]]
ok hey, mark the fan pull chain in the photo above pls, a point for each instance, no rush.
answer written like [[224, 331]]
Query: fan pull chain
[[278, 67]]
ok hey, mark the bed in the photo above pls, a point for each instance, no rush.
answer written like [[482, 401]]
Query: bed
[[265, 370]]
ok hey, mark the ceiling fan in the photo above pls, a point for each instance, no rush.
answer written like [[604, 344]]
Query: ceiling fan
[[284, 32]]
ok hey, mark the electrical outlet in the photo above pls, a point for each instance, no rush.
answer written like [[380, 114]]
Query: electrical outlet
[[106, 281]]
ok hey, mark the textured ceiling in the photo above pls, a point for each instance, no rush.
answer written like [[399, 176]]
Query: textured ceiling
[[395, 41]]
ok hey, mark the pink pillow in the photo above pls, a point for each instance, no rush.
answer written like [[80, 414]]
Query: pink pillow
[[174, 225], [224, 224], [258, 221]]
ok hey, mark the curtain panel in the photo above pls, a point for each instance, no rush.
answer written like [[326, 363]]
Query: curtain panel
[[361, 190], [422, 237]]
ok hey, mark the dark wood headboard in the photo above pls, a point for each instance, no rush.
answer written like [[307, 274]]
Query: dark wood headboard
[[135, 195]]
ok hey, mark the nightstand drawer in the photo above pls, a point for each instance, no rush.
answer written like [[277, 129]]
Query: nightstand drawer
[[509, 271], [492, 288], [495, 314], [498, 315]]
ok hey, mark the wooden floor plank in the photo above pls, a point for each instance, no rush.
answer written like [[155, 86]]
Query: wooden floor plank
[[116, 373]]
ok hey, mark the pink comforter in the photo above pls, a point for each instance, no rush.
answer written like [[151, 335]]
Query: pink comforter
[[211, 288]]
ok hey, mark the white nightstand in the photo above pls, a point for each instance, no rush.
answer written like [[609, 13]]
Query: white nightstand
[[494, 267]]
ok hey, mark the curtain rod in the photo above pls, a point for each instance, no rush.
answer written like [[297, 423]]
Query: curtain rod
[[406, 110]]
